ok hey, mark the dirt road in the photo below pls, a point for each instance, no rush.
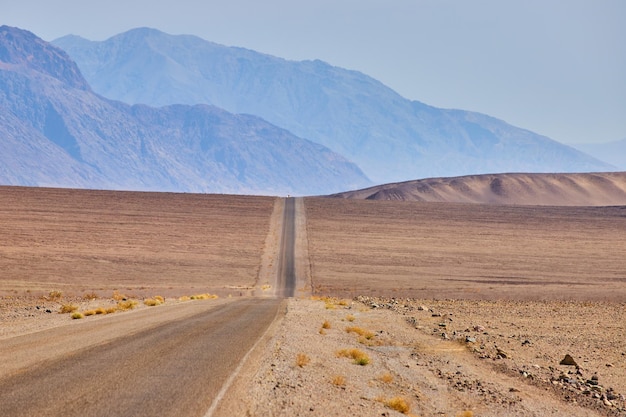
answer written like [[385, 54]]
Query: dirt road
[[172, 368]]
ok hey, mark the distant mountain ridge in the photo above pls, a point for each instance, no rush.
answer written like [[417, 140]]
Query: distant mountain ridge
[[612, 152], [569, 189], [389, 137], [55, 131]]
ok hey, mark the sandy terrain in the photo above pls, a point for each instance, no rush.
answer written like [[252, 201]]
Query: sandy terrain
[[596, 189], [499, 294]]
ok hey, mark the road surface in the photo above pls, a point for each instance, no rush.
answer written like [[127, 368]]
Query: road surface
[[286, 268], [166, 361]]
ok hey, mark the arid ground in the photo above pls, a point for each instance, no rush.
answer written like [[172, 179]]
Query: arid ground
[[76, 241], [462, 309]]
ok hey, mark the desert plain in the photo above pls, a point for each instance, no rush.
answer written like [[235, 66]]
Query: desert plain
[[460, 309]]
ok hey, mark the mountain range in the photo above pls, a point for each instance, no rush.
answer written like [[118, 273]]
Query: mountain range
[[56, 131], [389, 137], [612, 152]]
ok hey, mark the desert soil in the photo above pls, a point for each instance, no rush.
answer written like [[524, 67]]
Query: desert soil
[[471, 308]]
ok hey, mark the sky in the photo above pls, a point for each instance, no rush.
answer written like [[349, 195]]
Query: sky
[[557, 68]]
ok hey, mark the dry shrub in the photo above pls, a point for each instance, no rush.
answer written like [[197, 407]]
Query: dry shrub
[[466, 413], [77, 315], [184, 298], [68, 308], [100, 310], [159, 298], [111, 310], [326, 324], [339, 380], [302, 359], [322, 331], [89, 312], [350, 318], [359, 357], [399, 404]]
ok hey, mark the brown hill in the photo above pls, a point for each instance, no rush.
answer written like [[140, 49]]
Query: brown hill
[[593, 189]]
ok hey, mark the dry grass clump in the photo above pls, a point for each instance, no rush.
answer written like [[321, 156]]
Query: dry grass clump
[[90, 296], [126, 305], [68, 308], [55, 295], [302, 359], [326, 325], [387, 378], [466, 413], [359, 357], [350, 318], [151, 302], [329, 302], [121, 306], [184, 298], [339, 380], [117, 296], [399, 404], [77, 315], [367, 334], [205, 296]]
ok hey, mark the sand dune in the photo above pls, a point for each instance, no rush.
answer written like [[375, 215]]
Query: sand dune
[[592, 189]]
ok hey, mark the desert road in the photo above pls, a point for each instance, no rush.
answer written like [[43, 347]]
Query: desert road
[[286, 269], [166, 361]]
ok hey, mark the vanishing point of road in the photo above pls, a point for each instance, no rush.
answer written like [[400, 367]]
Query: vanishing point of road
[[138, 364]]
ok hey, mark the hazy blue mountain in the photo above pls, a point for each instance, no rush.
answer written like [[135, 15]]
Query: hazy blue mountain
[[611, 152], [389, 137], [55, 131]]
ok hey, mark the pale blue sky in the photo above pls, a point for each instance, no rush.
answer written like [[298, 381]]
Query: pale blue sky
[[555, 67]]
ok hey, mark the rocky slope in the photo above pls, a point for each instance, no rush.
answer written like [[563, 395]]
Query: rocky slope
[[389, 137], [55, 131]]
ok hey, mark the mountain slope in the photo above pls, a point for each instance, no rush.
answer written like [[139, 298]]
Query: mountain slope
[[389, 137], [611, 152], [55, 131], [597, 189]]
